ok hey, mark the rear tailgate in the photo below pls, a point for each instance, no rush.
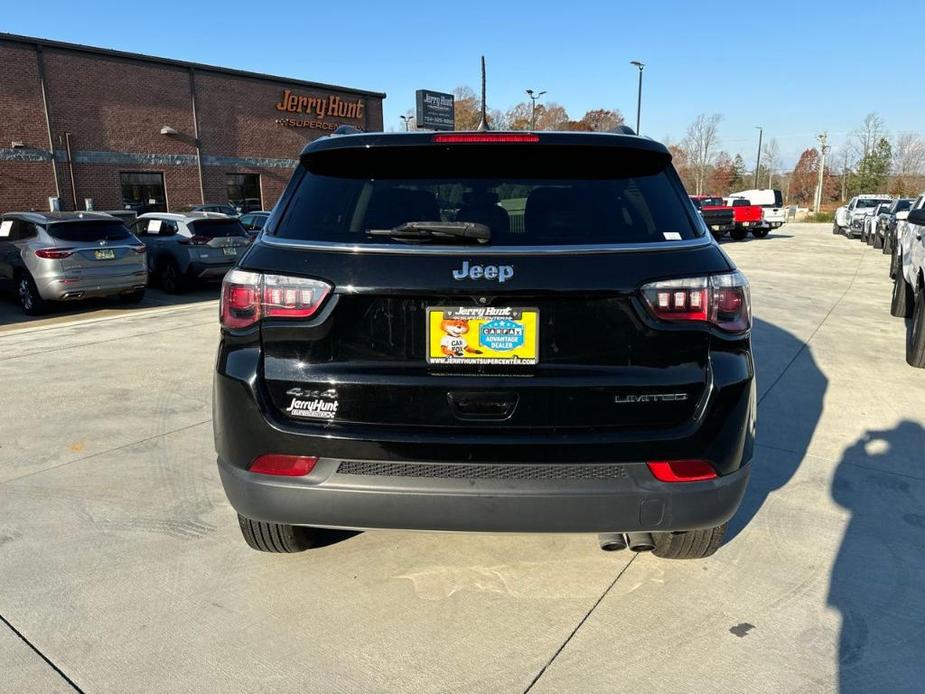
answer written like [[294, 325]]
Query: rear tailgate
[[100, 249], [372, 355]]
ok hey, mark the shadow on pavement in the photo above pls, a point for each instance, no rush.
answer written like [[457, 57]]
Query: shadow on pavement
[[776, 351], [11, 313], [878, 579]]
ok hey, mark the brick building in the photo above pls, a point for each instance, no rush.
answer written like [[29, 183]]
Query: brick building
[[129, 130]]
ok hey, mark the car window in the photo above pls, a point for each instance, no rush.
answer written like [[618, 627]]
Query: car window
[[89, 231], [543, 197], [215, 228]]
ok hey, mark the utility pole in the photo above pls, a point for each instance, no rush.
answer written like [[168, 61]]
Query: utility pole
[[641, 67], [758, 162], [533, 97], [844, 177], [823, 149]]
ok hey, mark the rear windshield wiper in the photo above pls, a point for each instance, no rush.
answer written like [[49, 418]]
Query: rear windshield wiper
[[464, 231]]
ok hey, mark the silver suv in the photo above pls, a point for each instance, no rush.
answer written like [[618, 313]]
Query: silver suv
[[189, 246], [66, 256]]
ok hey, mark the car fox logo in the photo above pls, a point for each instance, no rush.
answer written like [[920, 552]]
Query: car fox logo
[[499, 273]]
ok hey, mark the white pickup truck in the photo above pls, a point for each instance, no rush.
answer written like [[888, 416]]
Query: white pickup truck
[[771, 201], [849, 219], [909, 280]]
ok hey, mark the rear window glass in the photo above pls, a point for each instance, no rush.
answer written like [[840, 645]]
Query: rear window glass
[[214, 228], [77, 232], [525, 195]]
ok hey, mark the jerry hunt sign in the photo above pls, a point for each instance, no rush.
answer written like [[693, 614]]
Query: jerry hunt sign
[[435, 110], [321, 107]]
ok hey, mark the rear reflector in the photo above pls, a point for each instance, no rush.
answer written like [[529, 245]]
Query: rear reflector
[[284, 465], [681, 470], [466, 138]]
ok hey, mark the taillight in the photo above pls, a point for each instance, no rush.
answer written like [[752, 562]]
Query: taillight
[[722, 300], [471, 138], [248, 297], [681, 470], [54, 253], [284, 465]]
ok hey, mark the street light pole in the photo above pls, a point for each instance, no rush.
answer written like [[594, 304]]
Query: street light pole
[[407, 121], [641, 67], [758, 163], [533, 97]]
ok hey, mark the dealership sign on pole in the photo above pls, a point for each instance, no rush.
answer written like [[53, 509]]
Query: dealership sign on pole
[[434, 110]]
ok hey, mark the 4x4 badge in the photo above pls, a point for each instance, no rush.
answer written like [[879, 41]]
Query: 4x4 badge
[[499, 273]]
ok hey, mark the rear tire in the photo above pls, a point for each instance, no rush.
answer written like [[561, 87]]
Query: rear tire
[[738, 233], [878, 242], [30, 300], [692, 544], [275, 537], [760, 233], [901, 306], [915, 344], [170, 278], [836, 229]]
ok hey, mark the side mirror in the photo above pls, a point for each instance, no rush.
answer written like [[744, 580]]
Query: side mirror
[[917, 217]]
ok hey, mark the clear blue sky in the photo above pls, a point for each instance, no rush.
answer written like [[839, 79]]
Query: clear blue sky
[[795, 68]]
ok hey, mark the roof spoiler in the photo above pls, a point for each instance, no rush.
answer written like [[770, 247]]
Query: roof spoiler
[[622, 130]]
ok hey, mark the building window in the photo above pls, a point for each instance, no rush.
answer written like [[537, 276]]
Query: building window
[[244, 192], [143, 191]]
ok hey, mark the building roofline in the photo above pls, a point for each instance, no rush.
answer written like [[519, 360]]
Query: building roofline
[[202, 67]]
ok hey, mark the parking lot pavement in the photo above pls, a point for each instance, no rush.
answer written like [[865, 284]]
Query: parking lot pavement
[[120, 560]]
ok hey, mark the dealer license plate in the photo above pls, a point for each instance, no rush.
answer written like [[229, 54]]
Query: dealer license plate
[[504, 336], [230, 250], [104, 254]]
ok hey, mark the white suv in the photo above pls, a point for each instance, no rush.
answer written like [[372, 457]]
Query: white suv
[[909, 280]]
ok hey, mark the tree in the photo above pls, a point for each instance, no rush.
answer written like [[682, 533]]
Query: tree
[[868, 134], [908, 163], [804, 177], [551, 116], [739, 171], [770, 157], [519, 116], [699, 145], [722, 174], [466, 108], [874, 167], [602, 120]]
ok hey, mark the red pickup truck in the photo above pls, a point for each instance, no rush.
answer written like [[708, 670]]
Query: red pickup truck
[[747, 218]]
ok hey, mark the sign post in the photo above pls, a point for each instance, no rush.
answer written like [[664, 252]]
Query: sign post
[[435, 110]]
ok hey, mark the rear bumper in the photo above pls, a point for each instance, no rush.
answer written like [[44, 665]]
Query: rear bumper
[[209, 271], [510, 496], [634, 502], [59, 288]]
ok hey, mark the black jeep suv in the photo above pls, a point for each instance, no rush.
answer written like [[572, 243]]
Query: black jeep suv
[[497, 332]]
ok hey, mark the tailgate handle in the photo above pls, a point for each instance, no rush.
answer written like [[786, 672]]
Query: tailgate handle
[[482, 405]]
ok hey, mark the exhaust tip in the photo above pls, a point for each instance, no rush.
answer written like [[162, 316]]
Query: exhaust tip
[[640, 542], [611, 542]]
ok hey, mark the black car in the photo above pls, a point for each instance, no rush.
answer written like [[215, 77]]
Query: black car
[[498, 332], [885, 225]]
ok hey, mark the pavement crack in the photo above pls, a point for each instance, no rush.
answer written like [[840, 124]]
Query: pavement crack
[[41, 655], [580, 624], [108, 450], [809, 339]]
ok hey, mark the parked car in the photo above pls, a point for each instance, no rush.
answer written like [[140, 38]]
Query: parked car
[[869, 222], [224, 208], [67, 256], [246, 205], [748, 217], [718, 217], [183, 248], [849, 218], [770, 201], [909, 285], [886, 223], [902, 228], [393, 359], [253, 222]]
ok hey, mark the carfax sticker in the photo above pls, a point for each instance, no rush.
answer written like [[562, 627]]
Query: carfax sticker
[[482, 335]]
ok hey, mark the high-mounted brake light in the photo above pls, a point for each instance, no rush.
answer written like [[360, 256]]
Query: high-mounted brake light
[[467, 138], [284, 465], [722, 300], [681, 470], [248, 297], [54, 253]]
